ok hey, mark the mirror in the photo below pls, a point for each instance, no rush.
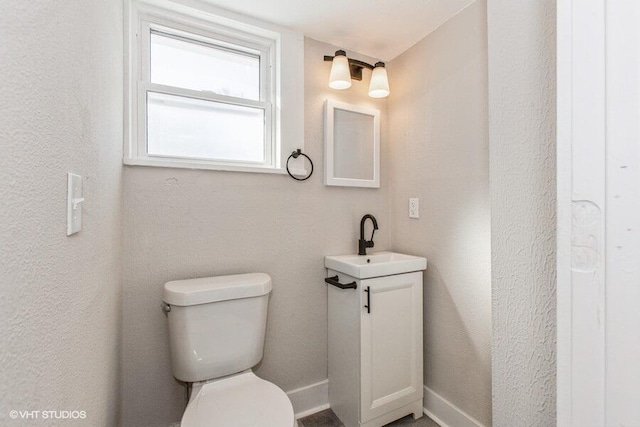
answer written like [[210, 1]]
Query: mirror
[[352, 145]]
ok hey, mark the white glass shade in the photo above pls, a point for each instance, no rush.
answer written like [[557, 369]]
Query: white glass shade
[[340, 77], [379, 86]]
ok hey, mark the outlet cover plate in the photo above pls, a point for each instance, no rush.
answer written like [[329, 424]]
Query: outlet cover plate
[[414, 208]]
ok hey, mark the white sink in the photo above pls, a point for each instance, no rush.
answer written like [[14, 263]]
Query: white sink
[[375, 265]]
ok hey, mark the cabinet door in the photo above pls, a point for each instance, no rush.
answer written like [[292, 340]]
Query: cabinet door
[[391, 343]]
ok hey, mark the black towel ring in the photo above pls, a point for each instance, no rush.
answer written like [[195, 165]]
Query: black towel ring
[[295, 155]]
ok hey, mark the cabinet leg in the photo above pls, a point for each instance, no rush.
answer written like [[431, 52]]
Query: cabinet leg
[[417, 409]]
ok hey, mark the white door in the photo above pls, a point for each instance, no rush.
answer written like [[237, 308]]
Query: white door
[[391, 346], [598, 213]]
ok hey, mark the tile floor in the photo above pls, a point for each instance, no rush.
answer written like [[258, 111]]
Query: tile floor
[[327, 418]]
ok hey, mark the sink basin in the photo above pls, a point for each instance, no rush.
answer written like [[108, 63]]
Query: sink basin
[[375, 264]]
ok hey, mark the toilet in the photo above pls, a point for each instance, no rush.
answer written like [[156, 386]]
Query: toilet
[[216, 333]]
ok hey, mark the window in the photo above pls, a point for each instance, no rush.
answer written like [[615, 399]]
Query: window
[[206, 91], [207, 99]]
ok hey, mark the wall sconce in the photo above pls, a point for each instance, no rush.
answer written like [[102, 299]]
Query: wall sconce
[[344, 69]]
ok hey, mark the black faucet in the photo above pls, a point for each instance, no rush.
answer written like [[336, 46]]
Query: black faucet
[[363, 244]]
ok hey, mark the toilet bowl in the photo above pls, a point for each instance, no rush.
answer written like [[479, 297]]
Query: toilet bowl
[[242, 400], [216, 334]]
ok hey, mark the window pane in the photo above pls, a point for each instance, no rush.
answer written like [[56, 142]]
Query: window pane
[[186, 127], [198, 66]]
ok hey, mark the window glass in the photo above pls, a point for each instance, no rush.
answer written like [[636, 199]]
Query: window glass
[[193, 128], [191, 64]]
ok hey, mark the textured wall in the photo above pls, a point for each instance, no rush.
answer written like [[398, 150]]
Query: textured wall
[[188, 223], [60, 111], [438, 131], [522, 146]]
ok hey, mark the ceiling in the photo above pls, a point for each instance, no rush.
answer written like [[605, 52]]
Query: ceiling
[[381, 29]]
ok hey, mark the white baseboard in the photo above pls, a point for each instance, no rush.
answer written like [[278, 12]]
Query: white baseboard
[[310, 399], [445, 413], [315, 398]]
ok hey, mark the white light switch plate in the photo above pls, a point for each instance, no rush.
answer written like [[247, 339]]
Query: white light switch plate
[[414, 208], [74, 203]]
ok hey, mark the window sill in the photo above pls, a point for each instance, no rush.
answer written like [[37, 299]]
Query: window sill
[[204, 165]]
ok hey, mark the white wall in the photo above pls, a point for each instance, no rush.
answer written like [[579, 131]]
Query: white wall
[[61, 110], [521, 39], [439, 139], [187, 223]]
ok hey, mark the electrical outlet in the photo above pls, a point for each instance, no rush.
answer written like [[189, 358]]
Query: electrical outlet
[[414, 208]]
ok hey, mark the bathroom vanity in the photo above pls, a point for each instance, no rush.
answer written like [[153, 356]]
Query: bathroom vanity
[[375, 337]]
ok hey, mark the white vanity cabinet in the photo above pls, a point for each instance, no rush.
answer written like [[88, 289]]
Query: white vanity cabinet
[[375, 348]]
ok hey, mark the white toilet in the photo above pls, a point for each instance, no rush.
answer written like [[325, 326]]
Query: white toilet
[[216, 331]]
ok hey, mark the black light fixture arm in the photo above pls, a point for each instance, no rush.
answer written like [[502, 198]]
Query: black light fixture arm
[[355, 65]]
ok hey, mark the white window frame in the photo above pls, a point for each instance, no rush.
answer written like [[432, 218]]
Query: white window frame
[[281, 55]]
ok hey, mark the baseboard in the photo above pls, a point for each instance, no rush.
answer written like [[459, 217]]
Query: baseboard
[[310, 399], [445, 413]]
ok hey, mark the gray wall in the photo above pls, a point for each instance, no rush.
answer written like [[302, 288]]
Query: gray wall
[[61, 110], [522, 134], [188, 223], [439, 134]]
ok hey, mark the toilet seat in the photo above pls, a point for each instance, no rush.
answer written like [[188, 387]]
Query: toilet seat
[[242, 400]]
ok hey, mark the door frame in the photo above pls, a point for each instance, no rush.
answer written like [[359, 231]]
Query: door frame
[[581, 177], [598, 178]]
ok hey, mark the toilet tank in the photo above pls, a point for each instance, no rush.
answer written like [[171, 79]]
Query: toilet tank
[[216, 324]]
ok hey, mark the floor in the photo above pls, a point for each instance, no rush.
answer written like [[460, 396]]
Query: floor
[[327, 418]]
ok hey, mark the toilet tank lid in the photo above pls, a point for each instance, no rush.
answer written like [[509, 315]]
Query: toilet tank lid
[[212, 289]]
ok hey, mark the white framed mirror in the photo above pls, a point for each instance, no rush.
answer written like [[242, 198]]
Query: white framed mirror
[[352, 145]]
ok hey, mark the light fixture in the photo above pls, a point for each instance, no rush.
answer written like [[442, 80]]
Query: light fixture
[[344, 69], [340, 77], [379, 86]]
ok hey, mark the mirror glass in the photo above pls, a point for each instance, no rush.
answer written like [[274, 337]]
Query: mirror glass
[[352, 145]]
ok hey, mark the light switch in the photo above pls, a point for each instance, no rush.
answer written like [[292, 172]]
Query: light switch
[[74, 203], [414, 208]]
